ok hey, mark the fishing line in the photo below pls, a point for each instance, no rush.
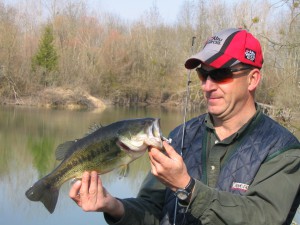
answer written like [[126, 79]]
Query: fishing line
[[184, 119]]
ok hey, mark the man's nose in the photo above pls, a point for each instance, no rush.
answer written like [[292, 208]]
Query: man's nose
[[209, 85]]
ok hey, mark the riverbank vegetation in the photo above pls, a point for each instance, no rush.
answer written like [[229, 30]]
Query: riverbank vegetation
[[67, 45]]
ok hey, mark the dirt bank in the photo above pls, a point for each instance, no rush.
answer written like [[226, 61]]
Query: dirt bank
[[60, 98]]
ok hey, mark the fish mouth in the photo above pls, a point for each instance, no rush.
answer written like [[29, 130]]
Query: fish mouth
[[134, 151], [124, 146], [149, 136], [154, 134], [156, 131]]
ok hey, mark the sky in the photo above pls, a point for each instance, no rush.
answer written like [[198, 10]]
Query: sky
[[126, 9], [133, 9]]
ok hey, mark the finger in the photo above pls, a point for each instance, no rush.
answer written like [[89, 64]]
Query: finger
[[93, 183], [150, 154], [155, 165], [101, 192], [84, 190], [171, 151], [153, 168], [156, 155], [153, 162], [159, 164], [75, 189], [159, 159]]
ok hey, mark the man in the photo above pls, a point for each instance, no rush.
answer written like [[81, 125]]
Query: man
[[238, 166]]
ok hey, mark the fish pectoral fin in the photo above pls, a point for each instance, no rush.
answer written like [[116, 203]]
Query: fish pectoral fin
[[63, 150], [124, 171]]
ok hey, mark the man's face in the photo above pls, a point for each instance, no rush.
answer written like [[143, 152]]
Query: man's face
[[226, 99]]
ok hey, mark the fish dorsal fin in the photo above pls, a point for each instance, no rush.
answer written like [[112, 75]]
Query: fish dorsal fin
[[93, 128], [63, 150]]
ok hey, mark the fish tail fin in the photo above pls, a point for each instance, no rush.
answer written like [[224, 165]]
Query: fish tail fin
[[45, 193]]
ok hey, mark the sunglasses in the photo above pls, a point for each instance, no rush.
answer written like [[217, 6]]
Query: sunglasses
[[223, 75]]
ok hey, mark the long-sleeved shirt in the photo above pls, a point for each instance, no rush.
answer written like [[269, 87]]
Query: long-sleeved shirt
[[267, 201]]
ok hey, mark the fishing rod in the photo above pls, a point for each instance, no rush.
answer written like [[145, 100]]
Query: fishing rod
[[184, 119], [187, 97]]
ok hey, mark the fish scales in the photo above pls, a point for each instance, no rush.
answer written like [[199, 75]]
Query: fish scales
[[94, 158], [103, 150]]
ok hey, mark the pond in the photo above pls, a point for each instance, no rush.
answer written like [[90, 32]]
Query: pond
[[28, 139]]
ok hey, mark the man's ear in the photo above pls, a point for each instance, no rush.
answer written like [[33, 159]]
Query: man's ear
[[254, 78]]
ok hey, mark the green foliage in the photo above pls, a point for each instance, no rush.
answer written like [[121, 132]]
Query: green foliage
[[46, 56]]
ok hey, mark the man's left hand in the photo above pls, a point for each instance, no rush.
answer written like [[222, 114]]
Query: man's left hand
[[169, 168]]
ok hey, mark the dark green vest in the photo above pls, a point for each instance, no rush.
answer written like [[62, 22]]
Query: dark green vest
[[263, 140]]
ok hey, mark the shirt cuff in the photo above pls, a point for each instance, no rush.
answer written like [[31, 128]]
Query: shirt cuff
[[201, 199], [124, 220]]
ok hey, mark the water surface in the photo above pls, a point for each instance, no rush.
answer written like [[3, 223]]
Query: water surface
[[28, 139]]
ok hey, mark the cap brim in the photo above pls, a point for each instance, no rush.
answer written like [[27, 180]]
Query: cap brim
[[211, 58], [196, 60]]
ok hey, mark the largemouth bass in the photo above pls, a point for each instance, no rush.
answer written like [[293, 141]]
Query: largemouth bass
[[103, 150]]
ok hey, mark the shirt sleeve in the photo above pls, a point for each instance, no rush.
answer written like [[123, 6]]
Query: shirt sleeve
[[268, 200], [146, 208]]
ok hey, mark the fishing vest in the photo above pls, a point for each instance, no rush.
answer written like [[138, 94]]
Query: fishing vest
[[263, 140]]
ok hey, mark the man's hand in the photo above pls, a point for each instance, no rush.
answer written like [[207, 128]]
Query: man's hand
[[91, 196], [169, 168]]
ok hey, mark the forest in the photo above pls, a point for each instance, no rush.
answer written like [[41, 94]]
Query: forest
[[65, 44]]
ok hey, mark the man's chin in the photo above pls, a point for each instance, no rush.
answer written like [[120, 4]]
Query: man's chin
[[214, 110]]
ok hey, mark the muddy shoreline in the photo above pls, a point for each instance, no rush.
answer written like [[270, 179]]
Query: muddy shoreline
[[77, 99]]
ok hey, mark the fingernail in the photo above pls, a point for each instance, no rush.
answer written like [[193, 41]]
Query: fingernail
[[73, 181]]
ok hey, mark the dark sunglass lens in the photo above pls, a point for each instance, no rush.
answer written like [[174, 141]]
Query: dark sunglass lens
[[221, 75], [202, 74], [217, 75]]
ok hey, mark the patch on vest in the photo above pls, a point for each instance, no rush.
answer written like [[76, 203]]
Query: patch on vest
[[239, 186]]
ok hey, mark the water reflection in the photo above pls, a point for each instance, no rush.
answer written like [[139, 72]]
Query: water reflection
[[41, 149], [28, 139]]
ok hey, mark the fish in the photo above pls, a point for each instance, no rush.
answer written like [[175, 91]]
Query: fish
[[103, 150]]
